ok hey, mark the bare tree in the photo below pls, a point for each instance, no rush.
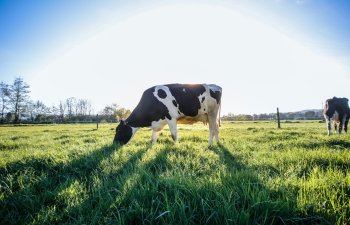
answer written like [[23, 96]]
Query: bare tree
[[85, 106], [40, 109], [82, 105], [79, 107], [89, 108], [4, 98], [62, 109], [54, 111], [19, 95], [70, 102], [110, 110], [30, 109], [76, 106]]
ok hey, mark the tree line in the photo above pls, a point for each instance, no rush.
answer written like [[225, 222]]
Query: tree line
[[301, 115], [17, 107]]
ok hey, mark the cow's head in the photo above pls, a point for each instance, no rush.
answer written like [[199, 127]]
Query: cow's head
[[123, 133], [329, 107]]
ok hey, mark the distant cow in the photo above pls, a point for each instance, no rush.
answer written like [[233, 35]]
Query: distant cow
[[171, 104], [338, 110]]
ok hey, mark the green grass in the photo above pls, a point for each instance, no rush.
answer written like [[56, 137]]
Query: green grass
[[71, 174]]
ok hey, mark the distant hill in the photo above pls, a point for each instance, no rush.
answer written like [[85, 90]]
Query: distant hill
[[314, 110], [307, 114]]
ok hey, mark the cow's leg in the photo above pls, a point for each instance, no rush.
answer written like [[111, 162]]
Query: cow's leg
[[213, 128], [335, 126], [211, 134], [346, 125], [217, 133], [155, 135], [156, 128], [341, 124], [328, 121], [173, 129]]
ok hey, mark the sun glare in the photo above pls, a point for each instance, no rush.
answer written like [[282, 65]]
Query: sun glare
[[188, 43]]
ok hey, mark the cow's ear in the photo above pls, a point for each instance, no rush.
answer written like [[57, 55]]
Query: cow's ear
[[122, 122]]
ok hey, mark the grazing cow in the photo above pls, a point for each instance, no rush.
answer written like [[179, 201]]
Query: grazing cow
[[171, 104], [338, 110]]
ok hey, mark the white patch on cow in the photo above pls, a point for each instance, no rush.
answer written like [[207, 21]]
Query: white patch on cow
[[328, 122], [336, 116], [134, 130], [173, 129], [167, 101], [203, 110], [213, 113], [158, 125], [336, 121], [154, 136]]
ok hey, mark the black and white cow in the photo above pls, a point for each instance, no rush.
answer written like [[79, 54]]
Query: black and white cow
[[171, 104], [338, 110]]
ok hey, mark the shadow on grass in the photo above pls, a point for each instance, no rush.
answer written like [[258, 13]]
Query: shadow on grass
[[256, 200], [139, 193], [32, 186], [100, 198], [158, 195], [329, 143]]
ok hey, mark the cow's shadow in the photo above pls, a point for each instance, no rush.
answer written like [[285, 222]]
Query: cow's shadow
[[24, 202], [138, 193]]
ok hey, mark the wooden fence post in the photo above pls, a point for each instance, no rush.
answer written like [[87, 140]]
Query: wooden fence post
[[278, 118], [97, 121]]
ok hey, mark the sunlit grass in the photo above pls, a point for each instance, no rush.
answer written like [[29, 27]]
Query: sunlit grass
[[72, 174]]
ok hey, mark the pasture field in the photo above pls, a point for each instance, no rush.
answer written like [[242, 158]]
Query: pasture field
[[71, 174]]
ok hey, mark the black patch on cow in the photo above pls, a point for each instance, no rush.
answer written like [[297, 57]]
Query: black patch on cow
[[148, 110], [175, 103], [161, 93], [203, 98], [187, 100], [216, 95], [178, 112], [341, 105], [123, 134]]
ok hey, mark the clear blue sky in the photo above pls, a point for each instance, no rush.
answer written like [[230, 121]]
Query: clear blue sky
[[35, 34], [31, 30]]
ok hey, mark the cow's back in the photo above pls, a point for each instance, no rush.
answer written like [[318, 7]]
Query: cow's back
[[187, 97]]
